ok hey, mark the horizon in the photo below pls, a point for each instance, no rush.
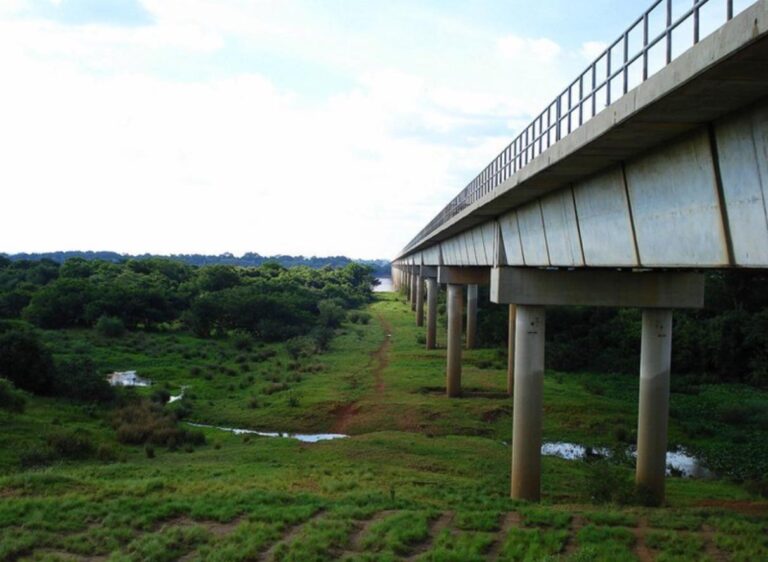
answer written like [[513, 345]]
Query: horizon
[[304, 129]]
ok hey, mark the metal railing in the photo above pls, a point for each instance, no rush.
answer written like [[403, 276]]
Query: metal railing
[[593, 90]]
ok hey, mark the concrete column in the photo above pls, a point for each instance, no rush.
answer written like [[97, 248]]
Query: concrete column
[[419, 300], [471, 316], [511, 350], [528, 409], [453, 354], [431, 313], [655, 361], [413, 291]]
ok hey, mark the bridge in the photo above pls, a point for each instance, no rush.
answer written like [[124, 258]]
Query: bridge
[[648, 169]]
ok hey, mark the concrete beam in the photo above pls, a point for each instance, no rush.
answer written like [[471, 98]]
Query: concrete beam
[[429, 271], [463, 275], [597, 288]]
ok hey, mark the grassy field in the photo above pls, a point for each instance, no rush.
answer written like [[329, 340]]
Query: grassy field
[[422, 477]]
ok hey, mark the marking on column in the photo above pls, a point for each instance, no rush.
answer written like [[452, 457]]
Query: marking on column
[[638, 261], [578, 227], [721, 195], [544, 230], [519, 236]]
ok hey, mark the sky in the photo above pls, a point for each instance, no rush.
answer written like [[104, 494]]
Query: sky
[[314, 127]]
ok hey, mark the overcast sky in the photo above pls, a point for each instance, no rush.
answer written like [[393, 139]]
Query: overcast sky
[[315, 127]]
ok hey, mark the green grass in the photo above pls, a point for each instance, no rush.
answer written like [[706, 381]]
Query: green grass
[[415, 455]]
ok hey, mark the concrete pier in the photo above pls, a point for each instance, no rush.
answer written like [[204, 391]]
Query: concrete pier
[[511, 350], [453, 354], [471, 316], [413, 291], [528, 403], [655, 361], [432, 288], [419, 300]]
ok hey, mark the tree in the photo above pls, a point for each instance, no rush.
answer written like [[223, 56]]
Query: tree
[[24, 360]]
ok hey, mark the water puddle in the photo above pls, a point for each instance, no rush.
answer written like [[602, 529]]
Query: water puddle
[[678, 461], [127, 378], [177, 397], [303, 437]]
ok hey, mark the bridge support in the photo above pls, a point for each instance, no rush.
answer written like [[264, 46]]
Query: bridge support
[[432, 288], [419, 300], [655, 361], [471, 316], [655, 292], [511, 349], [456, 278], [453, 367], [528, 403], [412, 287]]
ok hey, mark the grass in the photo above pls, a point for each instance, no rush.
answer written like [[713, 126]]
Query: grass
[[414, 457]]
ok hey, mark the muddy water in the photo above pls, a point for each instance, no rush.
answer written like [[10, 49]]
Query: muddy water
[[127, 378]]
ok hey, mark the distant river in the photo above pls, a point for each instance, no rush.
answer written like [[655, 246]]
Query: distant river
[[384, 286]]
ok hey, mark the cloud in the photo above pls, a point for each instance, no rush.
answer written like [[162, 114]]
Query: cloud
[[527, 49], [127, 13], [590, 50]]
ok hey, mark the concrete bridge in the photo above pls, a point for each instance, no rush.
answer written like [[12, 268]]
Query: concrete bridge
[[628, 186]]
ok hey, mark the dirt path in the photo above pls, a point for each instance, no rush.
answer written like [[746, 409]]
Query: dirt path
[[293, 532], [708, 535], [379, 360], [572, 543], [642, 552], [435, 529], [510, 521]]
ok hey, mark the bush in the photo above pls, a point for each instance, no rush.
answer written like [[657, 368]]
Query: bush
[[76, 445], [302, 346], [24, 360], [143, 422], [36, 457], [110, 326], [358, 317], [607, 482], [77, 378], [11, 399]]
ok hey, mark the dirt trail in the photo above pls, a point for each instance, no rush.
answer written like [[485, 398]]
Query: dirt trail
[[714, 553], [379, 359], [642, 552], [572, 543], [435, 529], [356, 541], [510, 521], [293, 532]]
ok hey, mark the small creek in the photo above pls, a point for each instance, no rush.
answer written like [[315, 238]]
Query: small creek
[[303, 437], [127, 378], [679, 460]]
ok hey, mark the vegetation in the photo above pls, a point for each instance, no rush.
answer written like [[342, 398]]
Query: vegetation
[[132, 476]]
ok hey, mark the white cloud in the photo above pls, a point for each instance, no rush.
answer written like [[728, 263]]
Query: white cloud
[[102, 151], [540, 50], [590, 50]]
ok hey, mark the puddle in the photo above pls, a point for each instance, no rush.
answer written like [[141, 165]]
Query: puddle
[[127, 378], [303, 437], [679, 461], [176, 398]]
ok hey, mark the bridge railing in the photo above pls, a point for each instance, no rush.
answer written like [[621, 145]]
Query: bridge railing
[[604, 81]]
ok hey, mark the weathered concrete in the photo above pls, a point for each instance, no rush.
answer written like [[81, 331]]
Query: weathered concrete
[[432, 288], [463, 275], [655, 361], [720, 75], [651, 289], [528, 403], [419, 301], [471, 316], [413, 285], [511, 349], [453, 353]]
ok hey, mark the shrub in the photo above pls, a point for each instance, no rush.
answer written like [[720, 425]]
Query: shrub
[[71, 445], [607, 482], [36, 457], [301, 346], [77, 378], [11, 399], [160, 396], [110, 326], [143, 422], [24, 360]]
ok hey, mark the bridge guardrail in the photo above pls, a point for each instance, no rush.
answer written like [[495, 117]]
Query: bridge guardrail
[[575, 105]]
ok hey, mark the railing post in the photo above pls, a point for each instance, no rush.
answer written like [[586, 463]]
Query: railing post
[[695, 21], [558, 113], [645, 46], [669, 31]]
